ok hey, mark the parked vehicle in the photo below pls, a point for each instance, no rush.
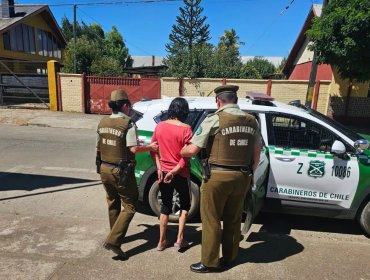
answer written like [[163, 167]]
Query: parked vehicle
[[310, 164]]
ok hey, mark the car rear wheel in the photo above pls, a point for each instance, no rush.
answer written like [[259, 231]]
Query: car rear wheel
[[155, 200], [364, 218], [248, 212]]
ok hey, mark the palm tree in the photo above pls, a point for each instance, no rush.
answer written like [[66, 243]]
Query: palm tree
[[230, 39]]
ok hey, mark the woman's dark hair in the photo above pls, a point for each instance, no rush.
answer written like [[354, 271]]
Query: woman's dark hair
[[179, 109], [116, 105]]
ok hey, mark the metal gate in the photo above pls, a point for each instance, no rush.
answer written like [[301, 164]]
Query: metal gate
[[98, 90], [23, 82]]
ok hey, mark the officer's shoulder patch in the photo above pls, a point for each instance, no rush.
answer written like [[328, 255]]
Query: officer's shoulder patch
[[199, 130]]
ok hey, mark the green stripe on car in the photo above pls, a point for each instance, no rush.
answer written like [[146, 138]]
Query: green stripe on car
[[304, 153]]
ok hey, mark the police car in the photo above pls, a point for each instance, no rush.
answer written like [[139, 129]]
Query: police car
[[309, 164]]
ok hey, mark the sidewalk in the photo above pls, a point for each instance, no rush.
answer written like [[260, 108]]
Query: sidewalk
[[46, 118]]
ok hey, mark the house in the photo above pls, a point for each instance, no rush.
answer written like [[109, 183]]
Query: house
[[29, 37], [348, 103], [299, 62], [146, 66]]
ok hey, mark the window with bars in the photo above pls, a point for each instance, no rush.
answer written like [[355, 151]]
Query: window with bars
[[289, 131]]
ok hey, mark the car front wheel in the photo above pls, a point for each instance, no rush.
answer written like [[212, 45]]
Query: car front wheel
[[364, 218], [155, 200]]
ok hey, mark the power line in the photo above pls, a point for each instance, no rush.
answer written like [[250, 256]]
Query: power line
[[125, 2], [271, 24], [286, 7], [110, 3]]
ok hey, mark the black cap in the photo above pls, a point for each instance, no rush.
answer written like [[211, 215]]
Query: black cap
[[226, 89]]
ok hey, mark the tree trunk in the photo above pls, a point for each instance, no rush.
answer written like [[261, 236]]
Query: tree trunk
[[349, 91]]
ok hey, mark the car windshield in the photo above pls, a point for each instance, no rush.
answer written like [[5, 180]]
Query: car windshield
[[338, 126]]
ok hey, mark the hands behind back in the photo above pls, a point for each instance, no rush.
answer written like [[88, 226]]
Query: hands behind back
[[168, 178]]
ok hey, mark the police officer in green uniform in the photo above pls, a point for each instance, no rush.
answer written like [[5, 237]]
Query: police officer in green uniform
[[232, 140], [116, 145]]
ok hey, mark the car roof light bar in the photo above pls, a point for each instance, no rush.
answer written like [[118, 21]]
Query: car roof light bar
[[258, 96]]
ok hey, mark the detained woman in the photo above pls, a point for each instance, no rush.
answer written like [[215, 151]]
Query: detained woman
[[173, 170]]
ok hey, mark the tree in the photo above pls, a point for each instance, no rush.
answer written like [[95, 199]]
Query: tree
[[248, 71], [87, 52], [226, 62], [189, 52], [116, 48], [281, 65], [67, 28], [190, 29], [264, 67], [341, 38], [94, 32], [106, 66], [193, 64], [96, 52], [230, 39]]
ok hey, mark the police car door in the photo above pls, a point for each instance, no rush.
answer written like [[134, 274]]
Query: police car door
[[301, 166]]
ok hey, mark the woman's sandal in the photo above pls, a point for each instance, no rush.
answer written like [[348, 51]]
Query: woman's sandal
[[161, 248], [182, 244]]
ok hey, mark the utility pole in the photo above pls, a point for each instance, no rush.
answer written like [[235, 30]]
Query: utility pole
[[311, 82], [74, 38]]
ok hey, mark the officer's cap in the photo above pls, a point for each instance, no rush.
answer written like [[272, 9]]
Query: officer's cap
[[118, 94], [226, 89]]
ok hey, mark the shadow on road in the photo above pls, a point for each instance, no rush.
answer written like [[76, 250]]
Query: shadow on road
[[29, 182], [270, 248]]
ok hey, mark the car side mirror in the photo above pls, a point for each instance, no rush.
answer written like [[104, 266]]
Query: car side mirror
[[361, 144], [338, 148]]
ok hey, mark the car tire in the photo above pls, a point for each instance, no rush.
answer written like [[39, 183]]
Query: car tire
[[155, 201], [248, 212], [364, 218]]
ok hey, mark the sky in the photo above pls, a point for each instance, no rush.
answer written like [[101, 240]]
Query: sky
[[267, 27]]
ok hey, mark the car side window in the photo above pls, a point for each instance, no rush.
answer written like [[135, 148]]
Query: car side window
[[191, 120], [289, 131]]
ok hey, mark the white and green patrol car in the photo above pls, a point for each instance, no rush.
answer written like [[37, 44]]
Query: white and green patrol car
[[309, 165]]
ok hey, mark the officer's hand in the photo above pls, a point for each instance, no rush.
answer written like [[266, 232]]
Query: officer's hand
[[168, 178], [153, 146], [160, 175]]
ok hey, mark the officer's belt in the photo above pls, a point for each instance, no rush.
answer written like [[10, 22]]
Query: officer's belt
[[229, 168], [110, 164], [114, 164]]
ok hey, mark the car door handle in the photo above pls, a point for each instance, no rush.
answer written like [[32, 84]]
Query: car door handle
[[286, 159]]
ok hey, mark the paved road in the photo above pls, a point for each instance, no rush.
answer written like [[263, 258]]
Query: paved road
[[53, 221]]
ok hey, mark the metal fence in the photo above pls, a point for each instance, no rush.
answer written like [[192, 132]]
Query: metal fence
[[23, 82]]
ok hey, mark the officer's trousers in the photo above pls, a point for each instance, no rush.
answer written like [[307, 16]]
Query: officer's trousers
[[118, 196], [222, 198]]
